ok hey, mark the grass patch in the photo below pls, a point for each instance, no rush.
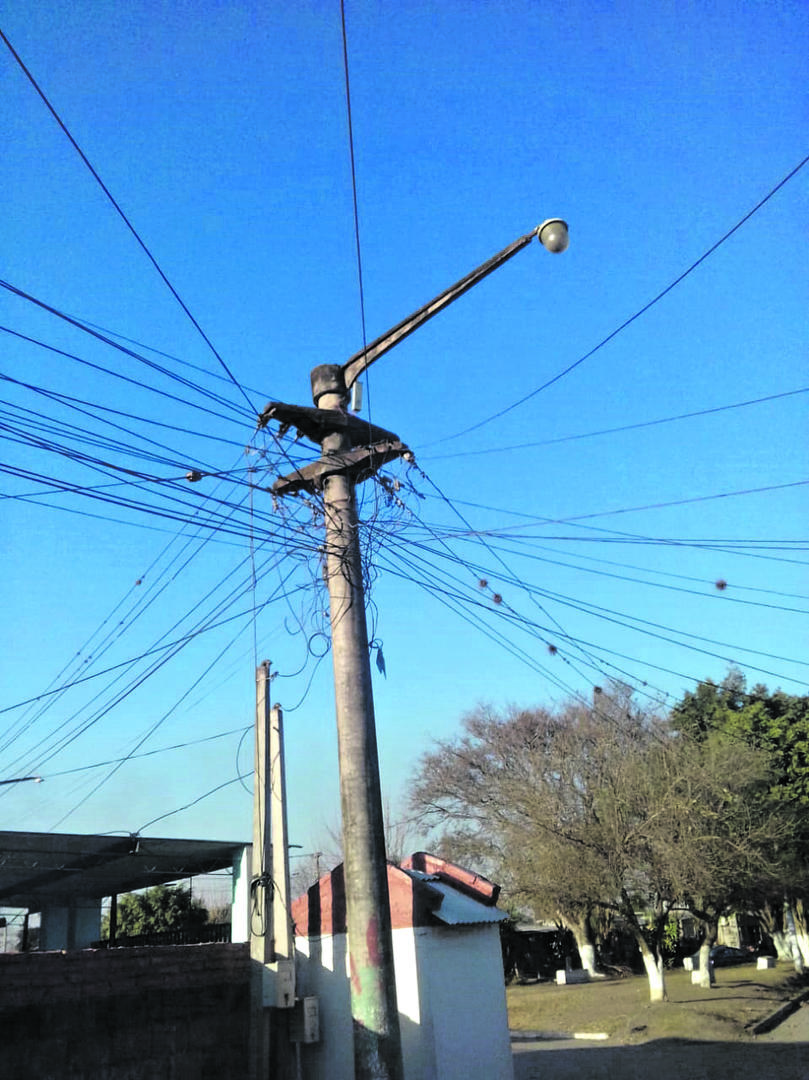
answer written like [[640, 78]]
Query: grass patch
[[620, 1007]]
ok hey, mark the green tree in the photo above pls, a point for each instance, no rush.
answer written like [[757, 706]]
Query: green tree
[[163, 907], [722, 836], [777, 725]]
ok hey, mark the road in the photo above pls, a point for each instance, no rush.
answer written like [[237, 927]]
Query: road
[[782, 1054]]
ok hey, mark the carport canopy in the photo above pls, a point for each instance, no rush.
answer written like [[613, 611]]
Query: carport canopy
[[41, 870]]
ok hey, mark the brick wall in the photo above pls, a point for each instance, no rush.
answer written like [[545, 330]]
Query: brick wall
[[165, 1013]]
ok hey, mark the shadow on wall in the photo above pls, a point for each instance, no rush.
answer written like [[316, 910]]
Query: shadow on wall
[[449, 979], [325, 974]]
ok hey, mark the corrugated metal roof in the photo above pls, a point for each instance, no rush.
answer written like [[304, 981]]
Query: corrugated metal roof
[[42, 869], [459, 910], [455, 908]]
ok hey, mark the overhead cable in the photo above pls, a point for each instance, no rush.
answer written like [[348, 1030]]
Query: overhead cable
[[617, 430], [632, 318], [127, 222]]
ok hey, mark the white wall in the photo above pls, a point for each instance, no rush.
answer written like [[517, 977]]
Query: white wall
[[240, 896], [323, 972], [461, 974], [451, 997]]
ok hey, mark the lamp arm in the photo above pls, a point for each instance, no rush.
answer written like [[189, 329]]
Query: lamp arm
[[356, 365]]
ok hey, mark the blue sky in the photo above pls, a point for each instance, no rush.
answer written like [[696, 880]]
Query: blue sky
[[221, 131]]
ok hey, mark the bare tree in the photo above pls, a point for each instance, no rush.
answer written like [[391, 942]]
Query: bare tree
[[401, 838], [557, 804], [591, 810]]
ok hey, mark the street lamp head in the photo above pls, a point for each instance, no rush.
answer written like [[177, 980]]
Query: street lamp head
[[553, 235]]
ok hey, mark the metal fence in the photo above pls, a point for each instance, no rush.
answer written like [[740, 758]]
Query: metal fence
[[191, 935]]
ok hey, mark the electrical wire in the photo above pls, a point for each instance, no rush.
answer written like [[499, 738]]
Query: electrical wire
[[567, 659], [194, 802], [736, 585], [119, 375], [519, 580], [126, 221], [161, 352], [142, 739], [417, 575], [718, 589], [455, 601], [355, 203], [632, 318], [82, 405], [347, 84], [211, 618], [87, 329], [147, 753], [618, 430], [54, 743], [616, 536]]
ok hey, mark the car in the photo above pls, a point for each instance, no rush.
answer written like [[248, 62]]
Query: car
[[725, 956]]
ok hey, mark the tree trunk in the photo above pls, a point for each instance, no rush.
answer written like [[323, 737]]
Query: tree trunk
[[799, 914], [792, 938], [654, 972], [710, 926], [651, 954], [781, 943], [583, 936], [707, 979], [709, 920], [587, 952], [770, 918]]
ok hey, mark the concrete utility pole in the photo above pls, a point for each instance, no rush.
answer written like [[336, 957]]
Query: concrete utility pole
[[377, 1043], [352, 451], [262, 951], [272, 947], [283, 939]]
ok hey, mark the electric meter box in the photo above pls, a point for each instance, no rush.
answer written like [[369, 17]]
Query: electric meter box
[[305, 1025]]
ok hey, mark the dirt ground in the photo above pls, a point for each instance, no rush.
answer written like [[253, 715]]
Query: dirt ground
[[782, 1054]]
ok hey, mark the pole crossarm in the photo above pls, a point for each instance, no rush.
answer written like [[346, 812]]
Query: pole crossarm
[[359, 464], [356, 364], [314, 424]]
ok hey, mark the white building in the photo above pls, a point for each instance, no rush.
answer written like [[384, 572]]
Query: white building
[[449, 973]]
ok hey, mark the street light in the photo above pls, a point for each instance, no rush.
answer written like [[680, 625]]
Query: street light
[[553, 235], [22, 779], [353, 450]]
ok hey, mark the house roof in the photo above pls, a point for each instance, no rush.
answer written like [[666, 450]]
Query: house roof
[[457, 909], [38, 870], [424, 891]]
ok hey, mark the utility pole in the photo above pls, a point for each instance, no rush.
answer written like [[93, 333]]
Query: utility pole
[[272, 946], [261, 943], [377, 1041], [352, 451], [283, 943]]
